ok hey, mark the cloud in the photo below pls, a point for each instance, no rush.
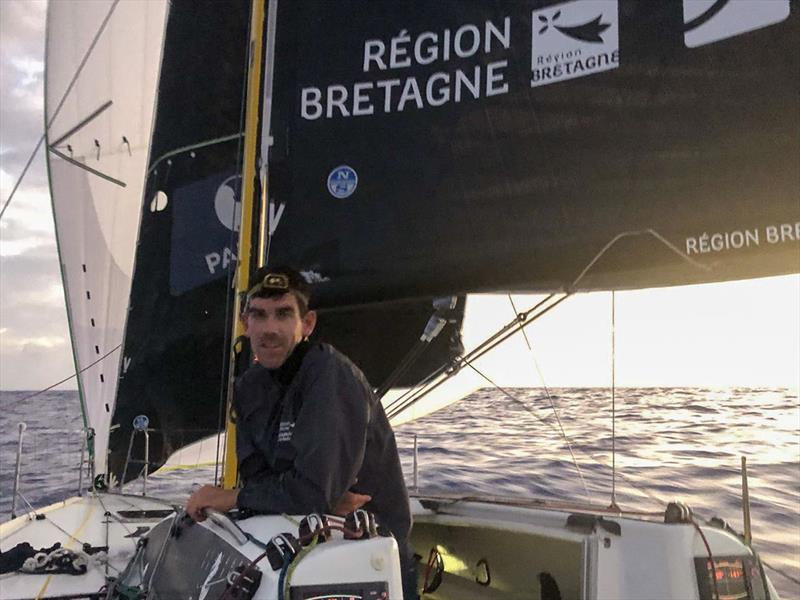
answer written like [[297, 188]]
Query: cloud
[[35, 367], [34, 336], [21, 85], [28, 223], [32, 69]]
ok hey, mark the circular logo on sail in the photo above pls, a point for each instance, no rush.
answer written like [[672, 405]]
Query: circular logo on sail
[[342, 182], [227, 204]]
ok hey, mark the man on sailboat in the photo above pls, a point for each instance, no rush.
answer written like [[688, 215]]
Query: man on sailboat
[[311, 434]]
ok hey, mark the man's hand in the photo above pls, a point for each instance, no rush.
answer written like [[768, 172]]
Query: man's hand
[[210, 496], [349, 502]]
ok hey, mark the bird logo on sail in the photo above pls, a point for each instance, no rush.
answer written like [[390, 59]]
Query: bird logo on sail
[[587, 32], [574, 39]]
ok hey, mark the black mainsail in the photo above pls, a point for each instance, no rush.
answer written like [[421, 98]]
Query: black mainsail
[[462, 146]]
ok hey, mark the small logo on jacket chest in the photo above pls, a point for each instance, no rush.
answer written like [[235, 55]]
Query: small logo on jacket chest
[[285, 431]]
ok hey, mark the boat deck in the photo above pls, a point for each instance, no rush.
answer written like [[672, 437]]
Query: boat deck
[[114, 521]]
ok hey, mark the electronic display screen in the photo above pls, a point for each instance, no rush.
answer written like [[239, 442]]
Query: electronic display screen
[[373, 590], [737, 578]]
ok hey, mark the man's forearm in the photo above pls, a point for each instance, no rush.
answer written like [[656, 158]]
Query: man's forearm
[[210, 497]]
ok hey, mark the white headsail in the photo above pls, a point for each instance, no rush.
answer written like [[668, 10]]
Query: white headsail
[[102, 67]]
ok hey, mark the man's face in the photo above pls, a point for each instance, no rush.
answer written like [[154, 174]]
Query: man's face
[[274, 327]]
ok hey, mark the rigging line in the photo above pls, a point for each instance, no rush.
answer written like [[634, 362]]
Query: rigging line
[[228, 349], [521, 323], [488, 345], [83, 123], [409, 359], [625, 234], [197, 146], [89, 366], [76, 539], [30, 506], [781, 572], [537, 417], [86, 167], [391, 411], [524, 333], [586, 269], [598, 458], [552, 404], [424, 387], [160, 556], [113, 516], [22, 175], [613, 398], [61, 103]]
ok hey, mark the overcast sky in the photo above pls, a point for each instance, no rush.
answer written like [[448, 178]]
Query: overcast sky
[[742, 333], [34, 348]]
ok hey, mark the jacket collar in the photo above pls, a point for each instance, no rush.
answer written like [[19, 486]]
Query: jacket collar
[[286, 372]]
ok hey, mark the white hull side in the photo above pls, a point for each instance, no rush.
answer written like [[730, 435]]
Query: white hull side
[[489, 550]]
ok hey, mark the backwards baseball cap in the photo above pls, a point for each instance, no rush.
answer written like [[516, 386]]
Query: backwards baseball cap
[[271, 282]]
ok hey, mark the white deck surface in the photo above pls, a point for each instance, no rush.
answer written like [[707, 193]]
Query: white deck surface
[[73, 523]]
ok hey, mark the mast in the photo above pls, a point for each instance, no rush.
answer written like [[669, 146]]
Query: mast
[[250, 208]]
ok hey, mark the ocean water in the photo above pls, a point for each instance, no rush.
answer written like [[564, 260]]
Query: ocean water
[[671, 444]]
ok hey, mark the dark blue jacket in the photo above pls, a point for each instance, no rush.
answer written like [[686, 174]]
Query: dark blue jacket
[[311, 430]]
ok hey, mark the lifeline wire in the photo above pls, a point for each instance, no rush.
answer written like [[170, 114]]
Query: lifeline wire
[[60, 104]]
